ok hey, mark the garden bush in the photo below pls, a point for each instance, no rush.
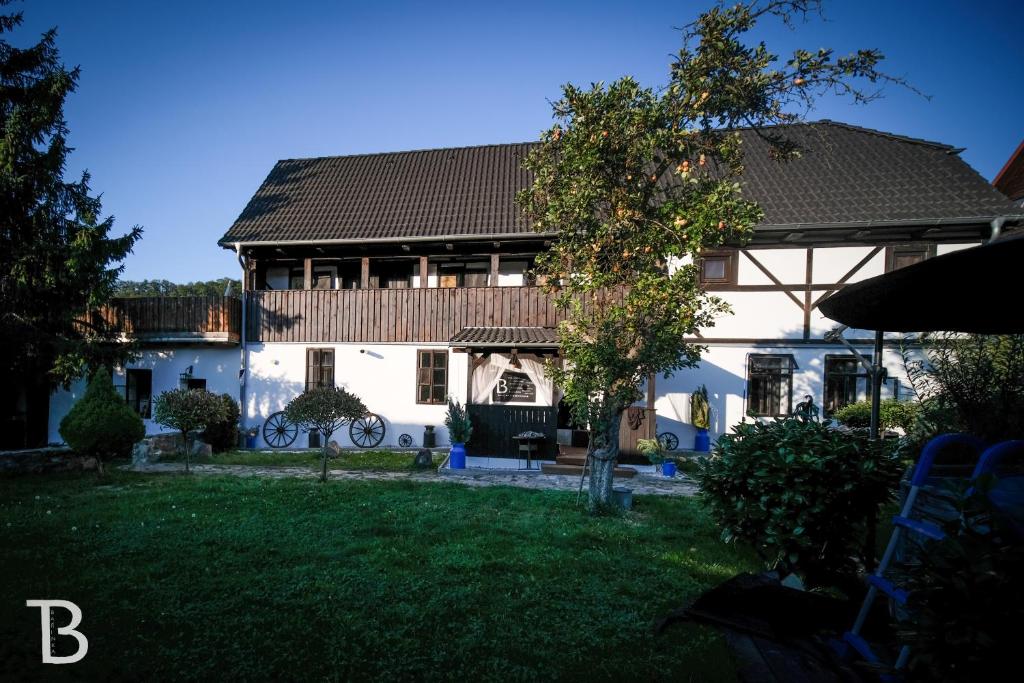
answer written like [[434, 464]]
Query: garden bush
[[802, 494], [326, 410], [892, 414], [188, 411], [102, 425], [223, 435]]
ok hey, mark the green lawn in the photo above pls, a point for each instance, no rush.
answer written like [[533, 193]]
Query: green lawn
[[203, 577], [388, 461]]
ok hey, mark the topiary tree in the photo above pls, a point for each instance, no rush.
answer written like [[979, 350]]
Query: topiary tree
[[223, 435], [326, 410], [101, 424], [188, 411], [802, 494], [634, 183]]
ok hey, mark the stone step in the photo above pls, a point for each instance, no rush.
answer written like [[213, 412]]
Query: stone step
[[574, 459], [577, 470]]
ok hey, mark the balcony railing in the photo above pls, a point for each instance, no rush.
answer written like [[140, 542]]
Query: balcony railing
[[392, 315], [196, 319]]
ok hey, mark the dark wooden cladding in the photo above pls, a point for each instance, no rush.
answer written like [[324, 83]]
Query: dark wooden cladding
[[216, 318], [393, 315], [494, 427]]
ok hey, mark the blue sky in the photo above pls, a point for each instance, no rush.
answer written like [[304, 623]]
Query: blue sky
[[183, 108]]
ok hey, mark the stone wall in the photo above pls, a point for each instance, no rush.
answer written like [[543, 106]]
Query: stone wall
[[43, 461]]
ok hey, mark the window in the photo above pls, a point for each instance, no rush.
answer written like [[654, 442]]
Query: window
[[195, 383], [770, 385], [907, 255], [845, 382], [390, 274], [319, 368], [431, 376], [459, 274], [138, 391], [717, 268]]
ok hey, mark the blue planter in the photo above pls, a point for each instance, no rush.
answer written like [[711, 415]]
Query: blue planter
[[702, 442], [668, 469], [457, 457], [250, 441]]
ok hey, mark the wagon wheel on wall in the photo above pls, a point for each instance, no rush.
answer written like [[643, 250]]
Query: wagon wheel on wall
[[279, 431], [367, 431], [669, 441]]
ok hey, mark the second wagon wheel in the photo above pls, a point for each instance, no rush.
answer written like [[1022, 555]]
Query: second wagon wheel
[[367, 431], [669, 441], [279, 431]]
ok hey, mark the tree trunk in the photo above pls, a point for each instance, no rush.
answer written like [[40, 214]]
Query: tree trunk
[[602, 471], [188, 450], [323, 458]]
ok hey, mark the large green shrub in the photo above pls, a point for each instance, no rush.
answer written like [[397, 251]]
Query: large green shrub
[[101, 424], [802, 494], [187, 411], [892, 414], [326, 410], [223, 435], [970, 383]]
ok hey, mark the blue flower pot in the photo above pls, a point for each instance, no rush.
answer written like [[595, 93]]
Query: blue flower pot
[[702, 442], [668, 469], [457, 457]]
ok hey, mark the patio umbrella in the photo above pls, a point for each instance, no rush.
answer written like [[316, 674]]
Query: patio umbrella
[[971, 290]]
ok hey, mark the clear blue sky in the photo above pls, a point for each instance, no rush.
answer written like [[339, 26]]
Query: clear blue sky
[[184, 107]]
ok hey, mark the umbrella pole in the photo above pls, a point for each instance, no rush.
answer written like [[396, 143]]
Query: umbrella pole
[[877, 373]]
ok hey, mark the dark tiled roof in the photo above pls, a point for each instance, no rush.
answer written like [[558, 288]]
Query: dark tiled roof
[[845, 175], [505, 336]]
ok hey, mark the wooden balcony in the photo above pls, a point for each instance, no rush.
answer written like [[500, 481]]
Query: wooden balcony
[[392, 315], [177, 319]]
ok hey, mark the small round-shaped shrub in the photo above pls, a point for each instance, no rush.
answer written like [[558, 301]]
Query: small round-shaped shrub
[[223, 435], [892, 414], [101, 424], [802, 494]]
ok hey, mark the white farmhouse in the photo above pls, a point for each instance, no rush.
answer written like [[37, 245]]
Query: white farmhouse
[[404, 278]]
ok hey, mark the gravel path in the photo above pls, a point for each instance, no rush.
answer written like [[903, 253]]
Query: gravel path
[[640, 485]]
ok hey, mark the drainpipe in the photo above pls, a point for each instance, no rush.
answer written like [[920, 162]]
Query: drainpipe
[[997, 228], [243, 367]]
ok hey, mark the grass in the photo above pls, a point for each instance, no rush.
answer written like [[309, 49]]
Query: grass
[[387, 461], [251, 578]]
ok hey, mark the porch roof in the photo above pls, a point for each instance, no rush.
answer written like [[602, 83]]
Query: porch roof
[[519, 337]]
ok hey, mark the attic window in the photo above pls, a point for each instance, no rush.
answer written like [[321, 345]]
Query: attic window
[[718, 268], [905, 255]]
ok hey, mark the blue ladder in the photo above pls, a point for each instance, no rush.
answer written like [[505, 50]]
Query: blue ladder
[[902, 523]]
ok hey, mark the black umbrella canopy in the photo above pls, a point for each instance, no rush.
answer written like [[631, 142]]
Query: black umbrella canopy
[[980, 289]]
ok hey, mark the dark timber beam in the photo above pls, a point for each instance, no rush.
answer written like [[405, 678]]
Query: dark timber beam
[[364, 272]]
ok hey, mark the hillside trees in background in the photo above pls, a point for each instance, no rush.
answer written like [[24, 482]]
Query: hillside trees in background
[[218, 287]]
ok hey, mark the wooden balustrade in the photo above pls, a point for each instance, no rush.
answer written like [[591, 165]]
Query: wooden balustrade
[[393, 315], [209, 319]]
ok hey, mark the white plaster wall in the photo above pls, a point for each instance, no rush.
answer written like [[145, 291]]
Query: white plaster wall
[[723, 369], [382, 375], [218, 366]]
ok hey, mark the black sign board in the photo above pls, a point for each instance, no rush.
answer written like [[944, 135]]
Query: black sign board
[[514, 387]]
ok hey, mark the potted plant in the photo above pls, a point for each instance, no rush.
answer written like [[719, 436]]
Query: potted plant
[[700, 417], [655, 453], [460, 429]]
